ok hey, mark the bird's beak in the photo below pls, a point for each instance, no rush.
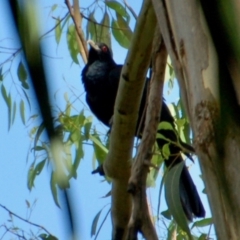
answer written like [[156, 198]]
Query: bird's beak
[[93, 45]]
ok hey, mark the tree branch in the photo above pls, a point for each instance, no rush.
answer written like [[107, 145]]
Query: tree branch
[[76, 17], [164, 24], [25, 220], [117, 164], [140, 219]]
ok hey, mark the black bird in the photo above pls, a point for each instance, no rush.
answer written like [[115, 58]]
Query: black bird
[[100, 78]]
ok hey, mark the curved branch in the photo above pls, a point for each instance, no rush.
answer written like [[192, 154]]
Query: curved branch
[[117, 164], [140, 218]]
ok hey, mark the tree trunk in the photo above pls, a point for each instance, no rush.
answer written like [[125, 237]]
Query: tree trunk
[[199, 70]]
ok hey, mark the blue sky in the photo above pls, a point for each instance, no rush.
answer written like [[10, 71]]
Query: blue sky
[[87, 190]]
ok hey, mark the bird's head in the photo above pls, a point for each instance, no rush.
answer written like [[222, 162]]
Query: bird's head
[[99, 51]]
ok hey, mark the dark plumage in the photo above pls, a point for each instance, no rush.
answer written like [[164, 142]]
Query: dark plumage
[[100, 78]]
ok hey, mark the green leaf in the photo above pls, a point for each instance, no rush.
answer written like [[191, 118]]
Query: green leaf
[[172, 195], [4, 94], [38, 148], [105, 36], [28, 204], [93, 29], [78, 156], [99, 149], [203, 236], [87, 127], [124, 27], [202, 223], [54, 188], [166, 151], [39, 167], [30, 178], [44, 236], [72, 43], [9, 111], [167, 214], [14, 112], [54, 7], [8, 102], [58, 31], [25, 85], [119, 9], [39, 132], [1, 75], [94, 223], [22, 111], [22, 73], [121, 31], [165, 126], [25, 94]]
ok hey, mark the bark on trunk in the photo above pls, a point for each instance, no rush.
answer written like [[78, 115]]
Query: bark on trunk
[[216, 137]]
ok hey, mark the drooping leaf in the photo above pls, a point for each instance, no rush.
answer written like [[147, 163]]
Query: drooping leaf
[[78, 156], [87, 127], [105, 36], [202, 223], [54, 7], [58, 31], [119, 9], [21, 72], [99, 149], [172, 196], [22, 111], [25, 85], [39, 132], [72, 43], [4, 94], [14, 112], [39, 167], [121, 31], [94, 223], [28, 204], [124, 25], [30, 178], [1, 75], [166, 151], [54, 188], [9, 103], [26, 96], [118, 35], [93, 28]]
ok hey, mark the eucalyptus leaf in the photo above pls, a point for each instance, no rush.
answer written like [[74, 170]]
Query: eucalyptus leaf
[[172, 196]]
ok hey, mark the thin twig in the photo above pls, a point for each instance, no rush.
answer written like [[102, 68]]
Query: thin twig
[[50, 30], [101, 24], [130, 9], [25, 220], [12, 56]]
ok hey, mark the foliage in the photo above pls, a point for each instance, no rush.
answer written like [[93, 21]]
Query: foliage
[[103, 21]]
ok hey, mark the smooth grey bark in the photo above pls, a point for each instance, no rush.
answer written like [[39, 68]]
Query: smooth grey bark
[[216, 139]]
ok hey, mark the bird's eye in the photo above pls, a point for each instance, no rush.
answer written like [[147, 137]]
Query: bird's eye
[[104, 48]]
